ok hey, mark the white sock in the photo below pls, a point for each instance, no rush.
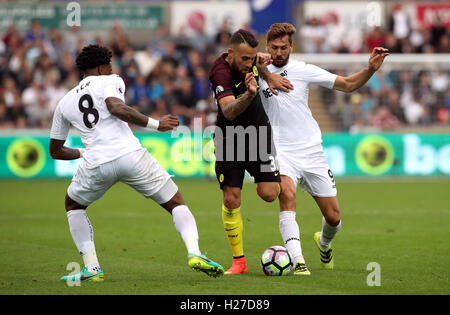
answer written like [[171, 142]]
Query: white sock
[[185, 225], [83, 236], [291, 235], [328, 233]]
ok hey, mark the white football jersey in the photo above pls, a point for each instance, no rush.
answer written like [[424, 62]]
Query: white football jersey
[[294, 127], [104, 136]]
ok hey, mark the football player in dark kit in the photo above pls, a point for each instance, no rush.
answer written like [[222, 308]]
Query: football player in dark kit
[[243, 137]]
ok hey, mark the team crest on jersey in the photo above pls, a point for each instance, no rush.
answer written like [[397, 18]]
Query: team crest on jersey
[[119, 89], [219, 89], [255, 71]]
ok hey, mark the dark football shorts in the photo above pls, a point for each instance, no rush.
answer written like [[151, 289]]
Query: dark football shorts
[[231, 173]]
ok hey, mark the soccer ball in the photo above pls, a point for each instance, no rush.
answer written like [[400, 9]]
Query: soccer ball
[[276, 261]]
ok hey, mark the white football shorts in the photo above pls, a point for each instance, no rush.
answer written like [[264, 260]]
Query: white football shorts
[[138, 169], [310, 170]]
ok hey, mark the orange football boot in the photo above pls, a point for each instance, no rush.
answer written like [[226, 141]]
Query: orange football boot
[[239, 266]]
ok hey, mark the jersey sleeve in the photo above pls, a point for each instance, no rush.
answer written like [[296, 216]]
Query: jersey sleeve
[[114, 87], [60, 126], [220, 78], [315, 74]]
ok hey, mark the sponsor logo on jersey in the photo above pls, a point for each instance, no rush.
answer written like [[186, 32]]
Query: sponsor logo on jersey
[[255, 71]]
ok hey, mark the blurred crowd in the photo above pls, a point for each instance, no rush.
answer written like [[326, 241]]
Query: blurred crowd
[[170, 74], [392, 99], [326, 34]]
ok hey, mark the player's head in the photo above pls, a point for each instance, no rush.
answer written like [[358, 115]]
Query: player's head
[[94, 60], [279, 42], [242, 51]]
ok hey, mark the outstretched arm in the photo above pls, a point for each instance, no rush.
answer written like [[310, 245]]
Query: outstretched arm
[[357, 80], [124, 112]]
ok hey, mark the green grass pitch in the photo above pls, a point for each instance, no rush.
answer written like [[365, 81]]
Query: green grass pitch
[[402, 225]]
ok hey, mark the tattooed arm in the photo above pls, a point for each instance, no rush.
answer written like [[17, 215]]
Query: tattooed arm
[[124, 112], [233, 107]]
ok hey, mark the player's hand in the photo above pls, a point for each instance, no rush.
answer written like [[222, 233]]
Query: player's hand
[[377, 57], [168, 122], [277, 82], [263, 60], [250, 82]]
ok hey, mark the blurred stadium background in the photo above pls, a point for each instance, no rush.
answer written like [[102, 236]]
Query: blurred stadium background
[[397, 125]]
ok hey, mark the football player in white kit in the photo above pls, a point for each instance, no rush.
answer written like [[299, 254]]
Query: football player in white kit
[[298, 140], [96, 108]]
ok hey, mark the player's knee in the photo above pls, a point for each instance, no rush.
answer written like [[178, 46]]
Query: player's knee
[[72, 204], [287, 194], [232, 200], [231, 197], [232, 203], [268, 193], [268, 197], [272, 195]]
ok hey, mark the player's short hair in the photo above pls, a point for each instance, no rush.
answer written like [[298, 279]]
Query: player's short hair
[[93, 56], [242, 36], [278, 30]]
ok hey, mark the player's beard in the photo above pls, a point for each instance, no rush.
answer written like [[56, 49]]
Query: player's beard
[[281, 62], [235, 69]]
